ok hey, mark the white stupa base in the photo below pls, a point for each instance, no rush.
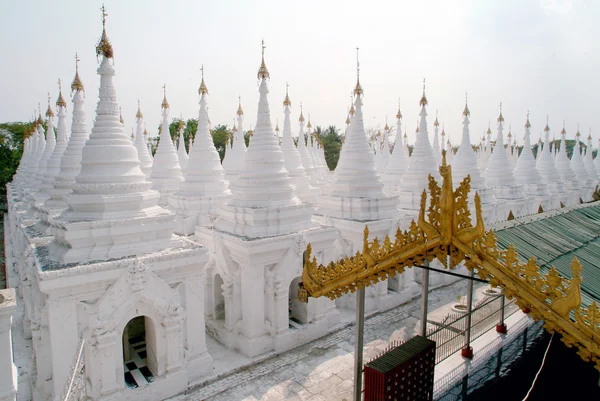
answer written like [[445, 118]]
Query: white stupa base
[[258, 222], [231, 176], [588, 188], [574, 193], [304, 191], [50, 211], [535, 202], [166, 189], [189, 210], [76, 242], [361, 209], [409, 201]]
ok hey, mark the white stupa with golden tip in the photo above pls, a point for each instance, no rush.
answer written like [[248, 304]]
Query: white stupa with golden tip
[[237, 153], [498, 175], [437, 153], [166, 173], [263, 203], [465, 164], [141, 145], [204, 185], [549, 174], [420, 165], [48, 148], [112, 212], [307, 161], [292, 160], [356, 190], [398, 160], [182, 153], [53, 164], [70, 163], [527, 175], [563, 165], [577, 165]]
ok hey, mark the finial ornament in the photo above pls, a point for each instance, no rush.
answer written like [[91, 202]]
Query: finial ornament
[[164, 104], [203, 90], [423, 101], [309, 125], [489, 130], [546, 128], [527, 124], [386, 128], [263, 72], [40, 119], [577, 134], [466, 111], [436, 123], [49, 112], [139, 111], [301, 119], [590, 134], [287, 102], [500, 117], [76, 85], [121, 116], [240, 112], [104, 47], [60, 102], [145, 130], [358, 91], [352, 110], [399, 114]]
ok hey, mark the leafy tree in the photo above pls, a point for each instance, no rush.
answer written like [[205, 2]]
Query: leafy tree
[[332, 144], [220, 136], [12, 136]]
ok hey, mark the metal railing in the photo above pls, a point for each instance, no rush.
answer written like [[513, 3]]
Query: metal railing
[[450, 333]]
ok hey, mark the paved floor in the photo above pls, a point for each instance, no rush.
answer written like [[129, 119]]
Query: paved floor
[[323, 369]]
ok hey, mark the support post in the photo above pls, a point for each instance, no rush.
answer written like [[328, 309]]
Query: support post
[[501, 327], [424, 298], [358, 344], [8, 369], [467, 351]]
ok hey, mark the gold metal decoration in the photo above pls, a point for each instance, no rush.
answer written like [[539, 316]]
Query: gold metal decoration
[[77, 85], [60, 102], [104, 47], [444, 231], [49, 112], [202, 90], [164, 104], [263, 72], [287, 101]]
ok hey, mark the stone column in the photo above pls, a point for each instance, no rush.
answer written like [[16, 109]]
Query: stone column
[[172, 327], [8, 369], [253, 299], [195, 335], [281, 306], [106, 380]]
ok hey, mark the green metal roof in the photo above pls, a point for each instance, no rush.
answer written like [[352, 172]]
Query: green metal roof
[[554, 238]]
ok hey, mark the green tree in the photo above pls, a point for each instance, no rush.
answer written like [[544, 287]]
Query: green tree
[[12, 136], [220, 135], [332, 144]]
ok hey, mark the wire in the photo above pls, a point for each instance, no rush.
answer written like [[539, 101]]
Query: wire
[[540, 369]]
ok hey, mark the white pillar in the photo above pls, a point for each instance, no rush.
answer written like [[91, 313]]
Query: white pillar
[[253, 300], [64, 338], [8, 369]]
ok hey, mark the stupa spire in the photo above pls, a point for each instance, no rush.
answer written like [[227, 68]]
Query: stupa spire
[[264, 187], [527, 175], [588, 160], [578, 167], [77, 85], [437, 153], [141, 144], [237, 152], [398, 162], [181, 151]]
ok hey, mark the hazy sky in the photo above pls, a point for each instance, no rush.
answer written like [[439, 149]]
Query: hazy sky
[[529, 54]]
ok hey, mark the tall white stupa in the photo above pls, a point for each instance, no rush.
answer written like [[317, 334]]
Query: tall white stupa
[[141, 145], [237, 151], [578, 167], [112, 212], [398, 160], [563, 165], [549, 174]]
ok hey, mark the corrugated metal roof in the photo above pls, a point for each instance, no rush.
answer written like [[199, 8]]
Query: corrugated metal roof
[[554, 238]]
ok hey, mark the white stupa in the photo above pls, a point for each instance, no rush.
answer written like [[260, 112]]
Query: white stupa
[[356, 191], [527, 175], [437, 153], [465, 164], [112, 211], [421, 164], [563, 165], [182, 153], [385, 151], [597, 159], [578, 166], [549, 174], [263, 203], [141, 145], [53, 164], [398, 160], [70, 164], [204, 186], [498, 175], [166, 173], [307, 160], [48, 149], [292, 160], [237, 152]]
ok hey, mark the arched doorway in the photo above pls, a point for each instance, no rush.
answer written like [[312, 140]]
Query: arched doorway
[[138, 356], [298, 311], [219, 299]]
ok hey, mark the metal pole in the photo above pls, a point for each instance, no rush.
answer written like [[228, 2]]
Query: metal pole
[[358, 345], [424, 298], [501, 327], [467, 351]]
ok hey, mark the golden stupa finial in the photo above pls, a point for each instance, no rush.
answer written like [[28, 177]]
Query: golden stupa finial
[[423, 101], [263, 72], [546, 128], [49, 112], [563, 131], [352, 110], [417, 130], [277, 126], [164, 104], [386, 128], [527, 123], [399, 113], [489, 130], [121, 116], [348, 119], [104, 47], [202, 90], [76, 85], [405, 136], [436, 122], [181, 124], [443, 131], [577, 134], [590, 135], [60, 102], [287, 102], [139, 111], [309, 125], [145, 130], [234, 129], [358, 91], [500, 117], [466, 111], [240, 112], [509, 132], [34, 120], [301, 119], [132, 137]]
